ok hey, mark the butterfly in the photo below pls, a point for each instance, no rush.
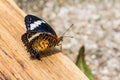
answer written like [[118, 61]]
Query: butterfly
[[39, 36]]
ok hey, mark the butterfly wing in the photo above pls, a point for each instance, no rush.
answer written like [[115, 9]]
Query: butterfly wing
[[35, 24]]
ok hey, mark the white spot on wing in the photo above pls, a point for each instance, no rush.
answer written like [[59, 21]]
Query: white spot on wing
[[36, 24], [32, 37]]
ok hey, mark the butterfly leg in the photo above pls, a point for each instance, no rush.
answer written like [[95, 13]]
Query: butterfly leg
[[60, 45]]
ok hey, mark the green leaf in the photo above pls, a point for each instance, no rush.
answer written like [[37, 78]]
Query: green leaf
[[81, 63]]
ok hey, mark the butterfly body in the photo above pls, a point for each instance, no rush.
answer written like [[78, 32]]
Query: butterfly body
[[39, 36]]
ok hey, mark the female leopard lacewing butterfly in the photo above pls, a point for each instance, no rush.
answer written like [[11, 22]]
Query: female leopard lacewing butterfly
[[39, 36]]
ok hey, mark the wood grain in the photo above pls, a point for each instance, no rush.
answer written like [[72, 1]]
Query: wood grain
[[15, 63]]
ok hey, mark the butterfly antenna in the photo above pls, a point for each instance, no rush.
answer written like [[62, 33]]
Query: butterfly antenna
[[69, 36], [67, 30]]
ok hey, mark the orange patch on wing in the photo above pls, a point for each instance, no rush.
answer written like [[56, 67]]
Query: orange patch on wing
[[40, 45]]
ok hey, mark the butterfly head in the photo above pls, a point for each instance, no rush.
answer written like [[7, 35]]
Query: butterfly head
[[60, 39]]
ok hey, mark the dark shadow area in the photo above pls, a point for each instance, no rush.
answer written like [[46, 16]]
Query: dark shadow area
[[49, 52]]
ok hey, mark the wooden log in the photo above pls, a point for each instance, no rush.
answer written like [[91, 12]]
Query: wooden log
[[15, 63]]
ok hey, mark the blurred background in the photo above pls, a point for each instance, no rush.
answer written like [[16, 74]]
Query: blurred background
[[96, 26]]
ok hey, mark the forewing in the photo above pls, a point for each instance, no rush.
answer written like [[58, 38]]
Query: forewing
[[35, 24]]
